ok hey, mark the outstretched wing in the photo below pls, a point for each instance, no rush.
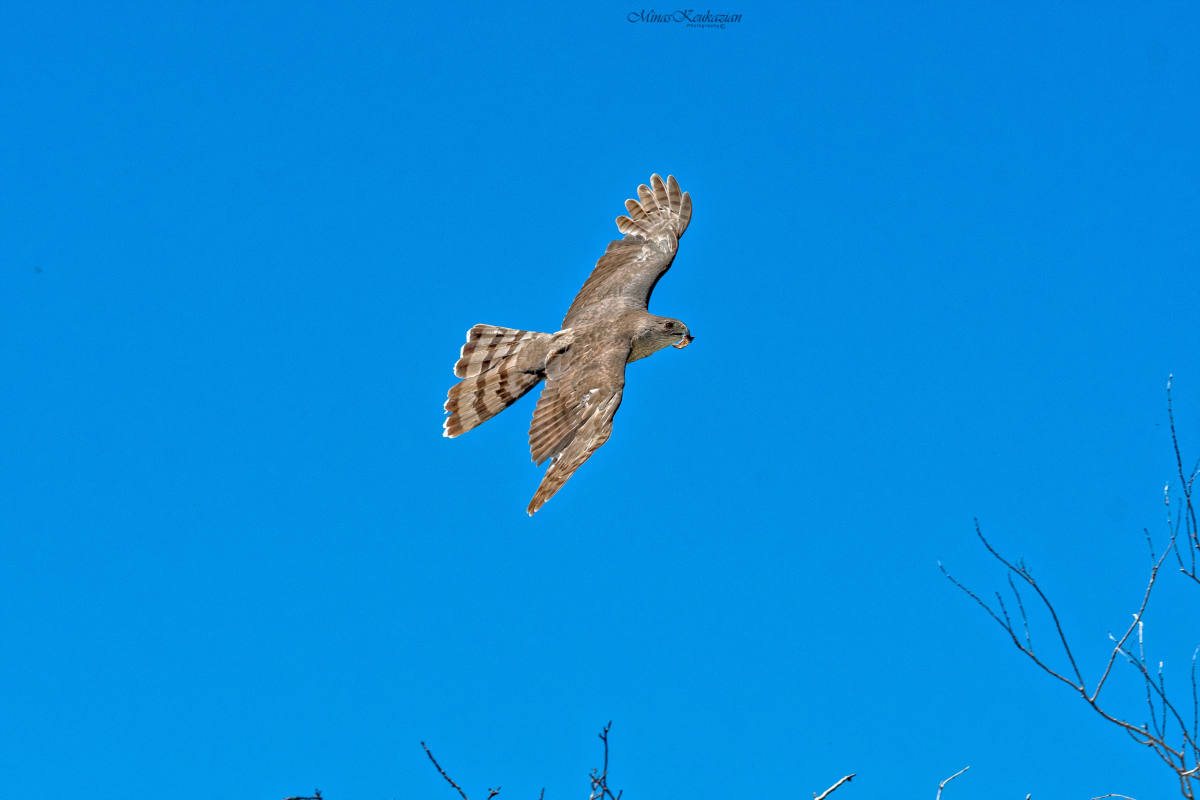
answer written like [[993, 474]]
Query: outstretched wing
[[575, 412], [626, 274]]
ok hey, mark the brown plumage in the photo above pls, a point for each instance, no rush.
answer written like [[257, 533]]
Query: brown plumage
[[491, 383], [606, 327]]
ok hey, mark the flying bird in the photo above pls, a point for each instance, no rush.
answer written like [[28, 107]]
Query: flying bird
[[583, 364]]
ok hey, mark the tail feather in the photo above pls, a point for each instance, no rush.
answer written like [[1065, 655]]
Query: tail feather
[[486, 346], [492, 378]]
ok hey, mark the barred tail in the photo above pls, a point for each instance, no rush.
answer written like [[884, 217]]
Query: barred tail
[[493, 378]]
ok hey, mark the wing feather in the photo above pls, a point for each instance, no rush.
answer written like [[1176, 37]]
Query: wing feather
[[593, 432], [676, 200], [574, 415], [626, 274], [635, 210]]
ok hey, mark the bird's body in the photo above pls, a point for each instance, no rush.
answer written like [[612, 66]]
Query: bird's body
[[607, 326]]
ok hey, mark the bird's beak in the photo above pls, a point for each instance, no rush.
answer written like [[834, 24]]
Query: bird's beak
[[684, 342]]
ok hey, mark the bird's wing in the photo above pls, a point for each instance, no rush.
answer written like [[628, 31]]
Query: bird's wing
[[575, 412], [626, 274]]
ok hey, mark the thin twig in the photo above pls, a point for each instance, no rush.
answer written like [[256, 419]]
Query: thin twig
[[1195, 701], [942, 785], [1023, 573], [1141, 662], [829, 791], [1183, 760], [1193, 534], [1137, 619], [316, 795], [1006, 623], [1024, 616], [600, 788], [1167, 705], [449, 780]]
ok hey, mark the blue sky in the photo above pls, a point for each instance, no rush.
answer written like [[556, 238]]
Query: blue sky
[[942, 261]]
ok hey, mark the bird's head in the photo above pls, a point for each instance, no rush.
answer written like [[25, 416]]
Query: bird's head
[[655, 333], [667, 331], [674, 329]]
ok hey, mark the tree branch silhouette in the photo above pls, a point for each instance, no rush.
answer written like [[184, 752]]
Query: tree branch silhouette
[[830, 790], [1167, 733]]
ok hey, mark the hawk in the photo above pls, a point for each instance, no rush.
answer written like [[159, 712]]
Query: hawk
[[583, 364]]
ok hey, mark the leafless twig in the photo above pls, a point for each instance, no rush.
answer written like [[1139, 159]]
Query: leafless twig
[[942, 785], [1167, 733], [599, 777], [491, 792], [1188, 514], [829, 791], [1156, 737], [316, 795]]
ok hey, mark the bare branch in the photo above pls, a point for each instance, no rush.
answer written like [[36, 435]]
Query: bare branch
[[1137, 620], [942, 785], [1024, 616], [1024, 575], [1159, 690], [599, 778], [829, 791], [449, 780], [1006, 622], [1166, 722], [316, 795], [1186, 483], [1195, 700], [972, 595], [1142, 734]]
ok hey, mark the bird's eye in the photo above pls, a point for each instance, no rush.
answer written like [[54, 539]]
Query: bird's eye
[[669, 325]]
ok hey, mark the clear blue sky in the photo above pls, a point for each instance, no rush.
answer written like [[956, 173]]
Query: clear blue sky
[[942, 260]]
